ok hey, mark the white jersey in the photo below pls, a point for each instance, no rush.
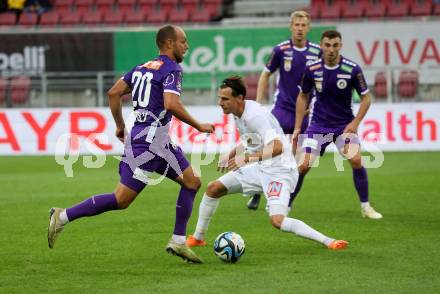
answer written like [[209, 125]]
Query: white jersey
[[258, 127]]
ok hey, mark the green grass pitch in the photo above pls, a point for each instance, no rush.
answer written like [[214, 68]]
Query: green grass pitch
[[124, 251]]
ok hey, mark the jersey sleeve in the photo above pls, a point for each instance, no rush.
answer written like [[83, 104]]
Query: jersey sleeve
[[273, 63], [307, 81], [359, 82], [127, 77], [172, 83], [261, 125]]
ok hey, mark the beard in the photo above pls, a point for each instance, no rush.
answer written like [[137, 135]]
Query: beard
[[179, 58]]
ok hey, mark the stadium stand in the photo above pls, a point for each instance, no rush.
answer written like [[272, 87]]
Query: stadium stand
[[380, 85], [3, 89], [408, 84], [19, 89]]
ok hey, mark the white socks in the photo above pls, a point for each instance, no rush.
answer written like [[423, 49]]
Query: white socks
[[63, 217], [365, 204], [303, 230], [179, 239], [208, 205]]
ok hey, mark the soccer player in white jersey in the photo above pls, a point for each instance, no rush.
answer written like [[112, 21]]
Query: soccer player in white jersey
[[266, 166]]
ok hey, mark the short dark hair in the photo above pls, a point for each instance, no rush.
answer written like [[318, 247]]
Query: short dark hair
[[331, 34], [163, 34], [236, 83]]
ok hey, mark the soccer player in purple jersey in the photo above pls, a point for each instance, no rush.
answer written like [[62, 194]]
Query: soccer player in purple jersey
[[289, 58], [155, 87], [334, 78]]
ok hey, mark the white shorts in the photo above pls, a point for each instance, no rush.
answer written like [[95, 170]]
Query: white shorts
[[276, 184]]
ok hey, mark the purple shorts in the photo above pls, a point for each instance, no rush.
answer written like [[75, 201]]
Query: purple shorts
[[135, 166], [317, 139], [286, 118]]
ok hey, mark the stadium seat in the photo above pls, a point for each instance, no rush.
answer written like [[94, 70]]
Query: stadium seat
[[50, 18], [104, 5], [375, 9], [168, 5], [331, 10], [147, 6], [353, 9], [408, 84], [28, 19], [157, 16], [135, 18], [113, 17], [178, 15], [3, 89], [316, 8], [7, 19], [201, 15], [84, 5], [63, 6], [213, 6], [126, 6], [19, 89], [190, 5], [421, 8], [436, 9], [92, 17], [71, 19], [380, 85], [251, 81], [397, 8]]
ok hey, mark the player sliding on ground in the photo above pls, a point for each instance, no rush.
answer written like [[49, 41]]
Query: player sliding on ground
[[267, 165], [155, 87]]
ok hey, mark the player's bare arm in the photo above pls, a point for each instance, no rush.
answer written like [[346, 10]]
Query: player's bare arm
[[270, 150], [173, 104], [363, 109], [263, 82], [115, 94], [301, 110]]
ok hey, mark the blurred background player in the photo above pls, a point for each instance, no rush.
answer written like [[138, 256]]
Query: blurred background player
[[155, 87], [289, 58], [334, 78], [267, 166]]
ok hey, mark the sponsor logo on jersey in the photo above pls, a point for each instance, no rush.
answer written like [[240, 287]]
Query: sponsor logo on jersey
[[343, 76], [346, 68], [314, 57], [314, 50], [153, 64], [316, 66], [274, 189], [287, 63], [361, 80], [342, 84], [318, 73], [288, 53], [169, 80]]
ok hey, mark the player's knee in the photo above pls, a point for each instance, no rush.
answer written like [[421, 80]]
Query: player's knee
[[356, 162], [215, 189], [276, 220], [304, 167], [193, 184]]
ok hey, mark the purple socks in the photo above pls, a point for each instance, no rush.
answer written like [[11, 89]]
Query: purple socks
[[184, 207], [361, 183], [93, 206]]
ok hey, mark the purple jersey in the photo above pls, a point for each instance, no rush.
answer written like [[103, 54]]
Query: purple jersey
[[334, 87], [291, 62], [148, 82]]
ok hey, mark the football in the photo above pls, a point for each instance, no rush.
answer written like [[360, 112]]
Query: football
[[229, 247]]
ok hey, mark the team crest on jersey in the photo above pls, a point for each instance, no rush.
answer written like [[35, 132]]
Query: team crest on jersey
[[288, 53], [342, 84], [287, 63], [318, 84], [274, 189], [153, 64]]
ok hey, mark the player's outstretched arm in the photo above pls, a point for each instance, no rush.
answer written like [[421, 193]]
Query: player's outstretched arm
[[263, 81], [115, 94], [363, 109], [173, 104]]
